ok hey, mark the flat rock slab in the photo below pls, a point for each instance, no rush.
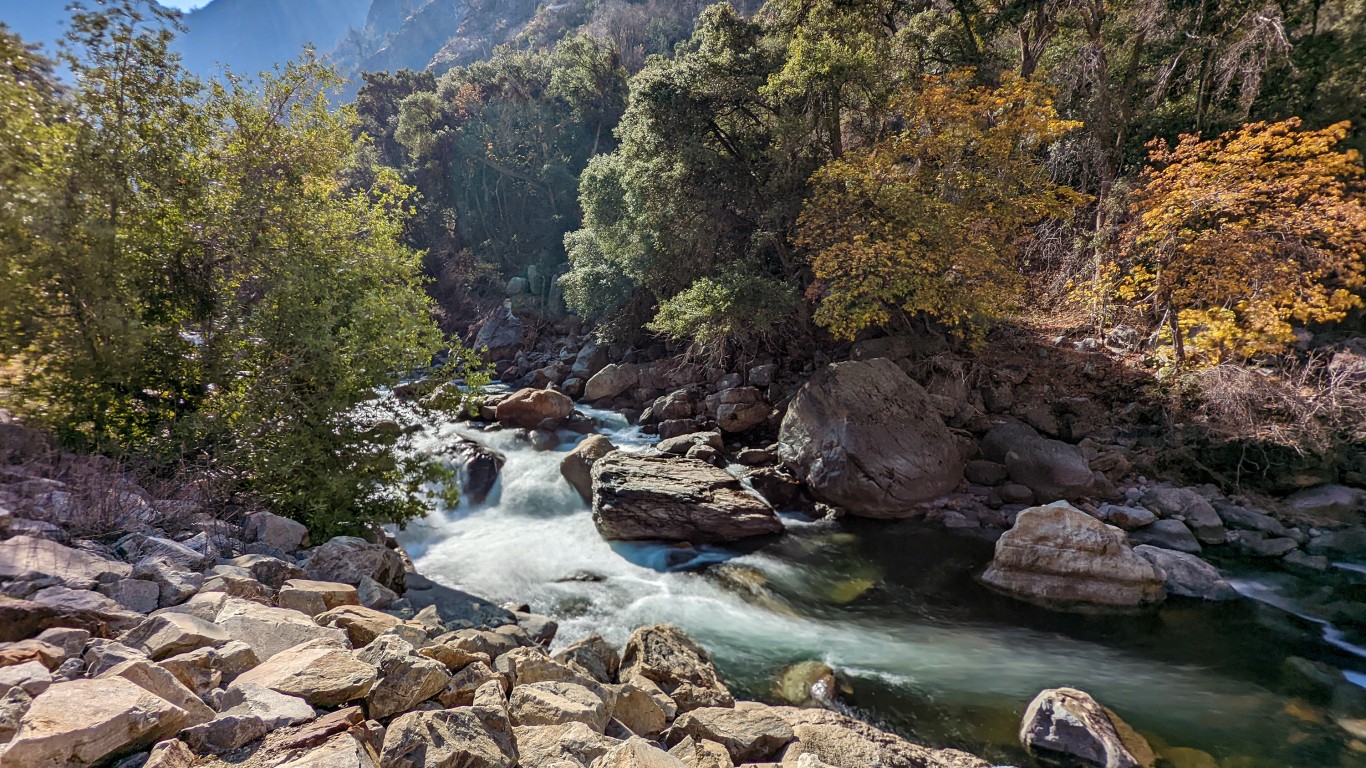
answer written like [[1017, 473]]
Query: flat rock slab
[[26, 558], [659, 498], [320, 673]]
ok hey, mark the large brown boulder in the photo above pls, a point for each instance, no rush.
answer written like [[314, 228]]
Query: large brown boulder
[[529, 408], [577, 465], [864, 437], [1061, 557], [348, 559], [674, 499]]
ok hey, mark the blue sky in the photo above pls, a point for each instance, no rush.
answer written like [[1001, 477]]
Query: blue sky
[[185, 5]]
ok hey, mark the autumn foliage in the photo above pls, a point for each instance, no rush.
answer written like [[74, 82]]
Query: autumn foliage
[[1234, 239], [927, 222]]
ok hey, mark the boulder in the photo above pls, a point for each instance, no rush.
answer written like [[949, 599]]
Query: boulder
[[224, 733], [1061, 557], [842, 742], [1330, 503], [348, 559], [864, 437], [315, 597], [1051, 469], [84, 722], [270, 630], [750, 735], [26, 558], [1066, 727], [806, 684], [1243, 518], [636, 752], [270, 571], [348, 749], [102, 655], [1198, 514], [591, 358], [1167, 534], [644, 708], [1187, 575], [479, 468], [447, 738], [81, 602], [459, 692], [594, 656], [199, 670], [318, 672], [560, 746], [1128, 518], [708, 754], [31, 677], [275, 709], [611, 381], [171, 753], [405, 678], [674, 499], [665, 655], [173, 633], [680, 445], [529, 408], [277, 532], [501, 334], [137, 547], [362, 625], [741, 417], [557, 703], [137, 595], [151, 677], [577, 465], [13, 704]]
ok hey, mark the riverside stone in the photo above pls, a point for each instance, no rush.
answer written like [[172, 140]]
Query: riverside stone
[[529, 408], [577, 465], [91, 605], [643, 707], [636, 752], [749, 735], [270, 630], [174, 633], [1059, 556], [612, 380], [704, 754], [197, 670], [843, 742], [1066, 727], [275, 709], [674, 499], [315, 597], [171, 753], [1198, 514], [31, 677], [27, 558], [224, 733], [362, 625], [318, 672], [405, 678], [347, 559], [593, 655], [557, 703], [1187, 575], [863, 436], [275, 531], [448, 738], [137, 595], [560, 746], [153, 678], [83, 722], [1167, 534], [666, 655], [459, 692]]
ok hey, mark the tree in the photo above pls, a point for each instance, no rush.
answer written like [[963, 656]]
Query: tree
[[926, 221], [1234, 239], [196, 278]]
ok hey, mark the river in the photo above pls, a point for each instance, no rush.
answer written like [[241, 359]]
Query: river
[[895, 609]]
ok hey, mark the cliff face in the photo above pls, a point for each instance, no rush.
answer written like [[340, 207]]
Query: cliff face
[[441, 34]]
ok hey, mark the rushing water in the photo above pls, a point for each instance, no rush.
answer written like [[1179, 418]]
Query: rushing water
[[894, 608]]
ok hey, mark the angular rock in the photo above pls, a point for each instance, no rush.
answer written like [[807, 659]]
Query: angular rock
[[863, 436], [1246, 519], [88, 604], [1194, 509], [560, 746], [741, 417], [235, 658], [671, 499], [275, 531], [405, 678], [13, 704], [1128, 518], [1066, 727], [666, 655], [643, 707], [1059, 556], [749, 735], [611, 381], [1051, 469], [557, 703], [362, 625], [86, 721], [344, 750], [373, 595], [20, 619], [842, 742], [594, 656], [137, 595], [1167, 534], [270, 571], [31, 677], [636, 752], [102, 655], [448, 738], [170, 634], [270, 630], [1335, 503], [137, 547], [153, 678], [529, 408], [275, 709], [347, 559], [705, 754], [224, 733], [49, 655], [171, 753], [479, 468], [315, 597], [318, 672], [577, 465], [459, 692], [1187, 575], [197, 670], [27, 558]]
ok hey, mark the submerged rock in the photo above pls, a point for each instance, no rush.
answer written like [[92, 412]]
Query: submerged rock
[[863, 436], [674, 499], [1061, 557], [480, 465], [1187, 575], [1066, 727]]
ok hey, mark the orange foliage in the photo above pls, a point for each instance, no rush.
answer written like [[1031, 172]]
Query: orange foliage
[[1234, 238]]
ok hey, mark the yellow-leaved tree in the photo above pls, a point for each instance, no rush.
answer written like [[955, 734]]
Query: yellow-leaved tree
[[927, 221], [1234, 239]]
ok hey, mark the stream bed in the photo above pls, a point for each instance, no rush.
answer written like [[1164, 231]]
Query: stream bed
[[895, 609]]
